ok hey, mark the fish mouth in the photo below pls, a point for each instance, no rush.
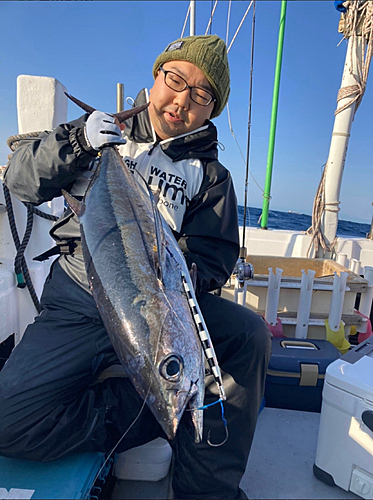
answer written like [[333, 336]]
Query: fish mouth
[[196, 415], [189, 411]]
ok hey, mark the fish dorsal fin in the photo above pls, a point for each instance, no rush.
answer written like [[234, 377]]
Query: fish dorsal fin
[[78, 207], [158, 228]]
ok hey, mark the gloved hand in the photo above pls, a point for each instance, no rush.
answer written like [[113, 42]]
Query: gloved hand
[[100, 129]]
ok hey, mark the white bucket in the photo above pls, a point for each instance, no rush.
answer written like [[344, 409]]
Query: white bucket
[[149, 462]]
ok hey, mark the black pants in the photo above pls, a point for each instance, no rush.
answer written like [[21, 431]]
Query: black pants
[[50, 405]]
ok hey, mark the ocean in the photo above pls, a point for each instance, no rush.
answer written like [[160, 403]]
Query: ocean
[[298, 222]]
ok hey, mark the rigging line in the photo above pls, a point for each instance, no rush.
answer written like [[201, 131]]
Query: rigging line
[[185, 22], [249, 125], [211, 21], [240, 25], [228, 21], [211, 16], [136, 418], [243, 159], [121, 438]]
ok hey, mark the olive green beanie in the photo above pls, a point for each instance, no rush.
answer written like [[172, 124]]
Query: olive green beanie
[[209, 54]]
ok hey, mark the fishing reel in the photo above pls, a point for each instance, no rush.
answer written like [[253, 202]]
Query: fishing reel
[[243, 271]]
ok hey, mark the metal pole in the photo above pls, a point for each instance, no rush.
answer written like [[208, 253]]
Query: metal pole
[[272, 132], [370, 234], [120, 97], [192, 19]]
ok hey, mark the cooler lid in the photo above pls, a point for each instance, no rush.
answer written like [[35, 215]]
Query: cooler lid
[[353, 371], [69, 477]]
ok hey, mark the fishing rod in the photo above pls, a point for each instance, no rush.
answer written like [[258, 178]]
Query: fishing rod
[[243, 249]]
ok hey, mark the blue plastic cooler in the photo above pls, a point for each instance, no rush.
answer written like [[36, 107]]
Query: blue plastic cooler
[[296, 372], [70, 477]]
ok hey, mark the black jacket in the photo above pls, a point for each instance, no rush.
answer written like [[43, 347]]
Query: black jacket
[[42, 166]]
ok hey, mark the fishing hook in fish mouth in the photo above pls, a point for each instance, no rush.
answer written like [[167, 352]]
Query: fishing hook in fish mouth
[[225, 427], [204, 407]]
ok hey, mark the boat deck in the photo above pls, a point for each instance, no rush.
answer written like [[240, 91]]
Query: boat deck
[[279, 467]]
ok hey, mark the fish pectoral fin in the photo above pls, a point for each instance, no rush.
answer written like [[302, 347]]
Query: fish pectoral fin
[[76, 206]]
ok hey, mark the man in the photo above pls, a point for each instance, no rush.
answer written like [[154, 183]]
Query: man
[[50, 404]]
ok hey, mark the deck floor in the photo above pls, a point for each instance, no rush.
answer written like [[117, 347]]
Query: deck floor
[[279, 467], [282, 457]]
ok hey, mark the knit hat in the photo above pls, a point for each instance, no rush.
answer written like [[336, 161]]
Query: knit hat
[[209, 54]]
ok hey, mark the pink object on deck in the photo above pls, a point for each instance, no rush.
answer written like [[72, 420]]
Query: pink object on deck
[[276, 330], [363, 336]]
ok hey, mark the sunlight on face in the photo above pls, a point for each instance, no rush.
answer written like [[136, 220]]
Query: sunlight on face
[[174, 113]]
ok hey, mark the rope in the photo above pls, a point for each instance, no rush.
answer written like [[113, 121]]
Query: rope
[[358, 21], [20, 265], [211, 16], [13, 140], [238, 146], [18, 261], [319, 207], [240, 25], [41, 214], [229, 116], [228, 21], [185, 22]]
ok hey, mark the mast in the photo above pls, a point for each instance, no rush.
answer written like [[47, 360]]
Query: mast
[[192, 19], [349, 96], [272, 132]]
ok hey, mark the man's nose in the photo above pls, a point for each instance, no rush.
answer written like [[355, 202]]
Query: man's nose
[[182, 99]]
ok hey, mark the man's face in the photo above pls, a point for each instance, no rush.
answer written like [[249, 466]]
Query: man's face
[[174, 113]]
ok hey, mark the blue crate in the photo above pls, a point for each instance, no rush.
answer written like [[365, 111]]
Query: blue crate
[[70, 477]]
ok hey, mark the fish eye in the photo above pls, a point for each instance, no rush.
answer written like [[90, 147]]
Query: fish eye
[[171, 368]]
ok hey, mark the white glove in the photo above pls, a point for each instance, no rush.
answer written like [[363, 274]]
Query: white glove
[[100, 129]]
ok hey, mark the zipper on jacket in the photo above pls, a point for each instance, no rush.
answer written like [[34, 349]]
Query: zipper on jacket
[[153, 147]]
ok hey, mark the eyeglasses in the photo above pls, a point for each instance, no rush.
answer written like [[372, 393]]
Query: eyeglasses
[[178, 84]]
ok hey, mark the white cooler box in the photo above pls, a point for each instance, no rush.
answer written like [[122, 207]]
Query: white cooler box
[[344, 455], [149, 462]]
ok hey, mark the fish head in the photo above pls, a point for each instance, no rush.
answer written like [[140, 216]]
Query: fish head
[[178, 383]]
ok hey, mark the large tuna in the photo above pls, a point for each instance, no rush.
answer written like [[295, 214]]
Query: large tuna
[[140, 283]]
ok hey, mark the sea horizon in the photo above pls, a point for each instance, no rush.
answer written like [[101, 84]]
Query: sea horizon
[[295, 221]]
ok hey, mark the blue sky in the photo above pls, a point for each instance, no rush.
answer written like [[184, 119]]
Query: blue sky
[[90, 46]]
